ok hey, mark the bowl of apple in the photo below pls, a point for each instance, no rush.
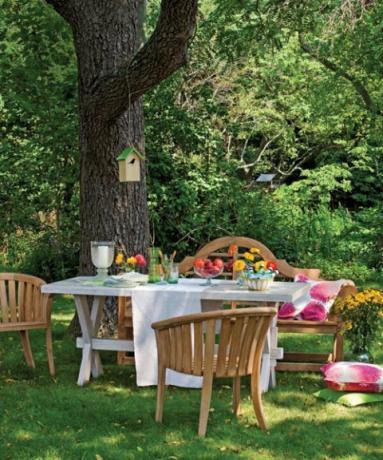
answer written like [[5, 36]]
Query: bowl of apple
[[208, 269]]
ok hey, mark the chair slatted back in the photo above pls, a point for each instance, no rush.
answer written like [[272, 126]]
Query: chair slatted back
[[188, 343], [219, 248], [21, 299]]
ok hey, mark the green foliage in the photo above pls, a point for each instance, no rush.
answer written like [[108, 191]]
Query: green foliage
[[250, 101], [39, 152], [47, 254]]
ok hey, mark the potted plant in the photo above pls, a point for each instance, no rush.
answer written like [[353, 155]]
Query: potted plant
[[257, 274], [362, 321]]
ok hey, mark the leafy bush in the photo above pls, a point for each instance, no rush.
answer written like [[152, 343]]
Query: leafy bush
[[43, 254]]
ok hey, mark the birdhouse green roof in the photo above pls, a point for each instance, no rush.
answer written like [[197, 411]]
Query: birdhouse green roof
[[125, 154]]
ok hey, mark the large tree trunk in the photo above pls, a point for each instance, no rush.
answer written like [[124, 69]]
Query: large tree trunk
[[114, 71], [110, 210]]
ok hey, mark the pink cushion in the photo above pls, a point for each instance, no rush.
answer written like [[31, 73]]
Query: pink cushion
[[314, 311], [353, 376], [287, 311], [315, 302]]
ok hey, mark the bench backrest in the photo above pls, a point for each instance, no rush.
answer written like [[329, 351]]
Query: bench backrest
[[219, 248]]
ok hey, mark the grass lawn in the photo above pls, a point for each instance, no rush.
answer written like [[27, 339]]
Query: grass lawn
[[113, 419]]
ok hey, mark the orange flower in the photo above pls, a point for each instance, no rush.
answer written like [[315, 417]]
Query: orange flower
[[132, 261], [233, 250]]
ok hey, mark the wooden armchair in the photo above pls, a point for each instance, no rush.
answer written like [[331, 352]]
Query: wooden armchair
[[292, 361], [187, 344], [23, 307]]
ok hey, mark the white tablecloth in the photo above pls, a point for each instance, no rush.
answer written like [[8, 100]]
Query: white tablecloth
[[150, 306]]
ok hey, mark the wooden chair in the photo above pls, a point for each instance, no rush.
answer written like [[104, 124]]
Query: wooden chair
[[23, 307], [187, 344], [125, 329], [292, 361]]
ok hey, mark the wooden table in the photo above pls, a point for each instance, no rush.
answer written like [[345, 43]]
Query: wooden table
[[211, 298]]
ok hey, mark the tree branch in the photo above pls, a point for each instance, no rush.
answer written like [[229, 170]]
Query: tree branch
[[357, 84], [162, 55], [247, 166]]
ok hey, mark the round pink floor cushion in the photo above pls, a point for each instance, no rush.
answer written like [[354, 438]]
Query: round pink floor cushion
[[353, 376]]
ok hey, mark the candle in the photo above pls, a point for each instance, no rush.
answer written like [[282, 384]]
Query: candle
[[102, 254]]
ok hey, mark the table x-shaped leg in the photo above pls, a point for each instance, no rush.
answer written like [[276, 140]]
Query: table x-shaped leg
[[90, 323]]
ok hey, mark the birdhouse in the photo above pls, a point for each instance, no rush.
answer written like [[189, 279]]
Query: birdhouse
[[129, 162]]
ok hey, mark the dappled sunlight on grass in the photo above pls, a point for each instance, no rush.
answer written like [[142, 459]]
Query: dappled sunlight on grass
[[114, 419]]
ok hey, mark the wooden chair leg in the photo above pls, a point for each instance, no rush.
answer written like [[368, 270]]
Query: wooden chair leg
[[160, 393], [256, 396], [236, 395], [207, 387], [27, 349], [338, 347], [49, 343]]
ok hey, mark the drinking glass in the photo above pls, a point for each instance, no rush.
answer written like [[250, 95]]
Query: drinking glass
[[173, 273]]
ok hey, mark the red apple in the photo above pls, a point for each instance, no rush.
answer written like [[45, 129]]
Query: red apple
[[214, 271], [208, 263], [218, 263], [199, 263]]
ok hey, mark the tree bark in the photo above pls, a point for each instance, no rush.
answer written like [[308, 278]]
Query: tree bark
[[113, 74], [104, 39]]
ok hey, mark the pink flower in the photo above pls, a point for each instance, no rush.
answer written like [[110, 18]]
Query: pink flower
[[314, 311], [141, 261]]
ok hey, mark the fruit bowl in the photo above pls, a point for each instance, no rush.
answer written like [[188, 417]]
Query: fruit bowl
[[207, 269]]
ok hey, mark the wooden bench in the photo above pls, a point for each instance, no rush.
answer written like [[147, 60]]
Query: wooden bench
[[292, 361], [22, 308]]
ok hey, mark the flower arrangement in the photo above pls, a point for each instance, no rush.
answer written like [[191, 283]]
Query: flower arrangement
[[253, 265], [257, 273], [362, 316], [129, 264]]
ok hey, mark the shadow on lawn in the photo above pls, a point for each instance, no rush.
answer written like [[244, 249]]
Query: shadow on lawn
[[114, 419]]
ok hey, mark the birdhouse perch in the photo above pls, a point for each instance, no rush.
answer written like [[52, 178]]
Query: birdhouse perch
[[129, 162]]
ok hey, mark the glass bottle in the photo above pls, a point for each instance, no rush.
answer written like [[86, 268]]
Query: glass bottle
[[154, 261]]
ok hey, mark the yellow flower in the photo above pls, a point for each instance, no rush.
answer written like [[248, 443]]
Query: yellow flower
[[259, 265], [119, 258], [248, 256], [239, 265], [132, 261], [255, 251]]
